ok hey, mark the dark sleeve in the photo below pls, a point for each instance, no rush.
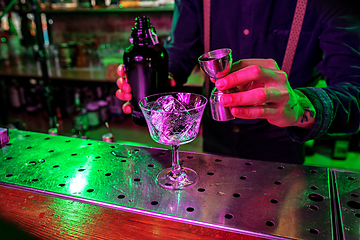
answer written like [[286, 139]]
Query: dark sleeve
[[184, 44], [337, 105]]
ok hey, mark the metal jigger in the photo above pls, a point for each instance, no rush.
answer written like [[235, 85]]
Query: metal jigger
[[217, 64]]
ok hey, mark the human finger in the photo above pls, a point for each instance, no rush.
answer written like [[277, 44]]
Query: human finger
[[127, 108], [212, 79], [171, 81], [123, 85], [257, 96], [124, 96], [251, 73], [253, 112], [121, 70], [266, 63]]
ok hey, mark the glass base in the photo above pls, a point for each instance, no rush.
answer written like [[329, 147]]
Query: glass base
[[188, 178]]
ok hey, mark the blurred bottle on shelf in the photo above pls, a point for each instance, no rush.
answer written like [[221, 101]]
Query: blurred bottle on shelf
[[33, 101], [63, 4], [96, 4], [84, 3], [116, 113], [65, 55], [4, 48], [16, 95], [45, 4], [103, 105], [82, 59], [28, 40], [138, 3], [14, 44], [79, 115], [103, 111], [79, 54], [93, 114]]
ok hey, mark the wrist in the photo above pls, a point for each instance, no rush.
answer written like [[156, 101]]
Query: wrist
[[307, 112]]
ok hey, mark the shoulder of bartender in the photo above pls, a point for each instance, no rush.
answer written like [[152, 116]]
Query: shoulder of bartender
[[327, 50]]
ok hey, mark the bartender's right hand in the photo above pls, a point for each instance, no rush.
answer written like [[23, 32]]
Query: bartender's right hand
[[124, 91]]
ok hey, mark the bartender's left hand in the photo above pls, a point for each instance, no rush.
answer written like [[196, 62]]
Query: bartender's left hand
[[265, 93]]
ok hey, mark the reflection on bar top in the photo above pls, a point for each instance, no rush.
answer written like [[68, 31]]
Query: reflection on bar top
[[238, 195]]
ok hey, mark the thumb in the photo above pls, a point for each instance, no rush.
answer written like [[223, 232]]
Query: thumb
[[171, 81]]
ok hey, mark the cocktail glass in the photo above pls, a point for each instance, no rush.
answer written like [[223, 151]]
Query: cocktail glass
[[174, 119]]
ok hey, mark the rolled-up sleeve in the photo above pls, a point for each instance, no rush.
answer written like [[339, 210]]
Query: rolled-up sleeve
[[184, 44], [337, 105]]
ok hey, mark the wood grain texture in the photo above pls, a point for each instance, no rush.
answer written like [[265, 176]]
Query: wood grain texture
[[28, 215]]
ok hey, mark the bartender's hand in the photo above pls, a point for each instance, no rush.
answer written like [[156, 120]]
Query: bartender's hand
[[265, 93], [124, 91]]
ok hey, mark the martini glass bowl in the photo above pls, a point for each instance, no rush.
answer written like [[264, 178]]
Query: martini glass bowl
[[174, 119]]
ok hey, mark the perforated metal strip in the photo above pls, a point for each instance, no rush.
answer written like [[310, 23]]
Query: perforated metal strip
[[207, 6], [294, 36]]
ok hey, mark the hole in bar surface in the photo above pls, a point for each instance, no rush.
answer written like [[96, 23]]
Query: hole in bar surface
[[314, 231], [190, 209], [313, 207], [270, 223], [314, 187], [354, 204], [316, 197]]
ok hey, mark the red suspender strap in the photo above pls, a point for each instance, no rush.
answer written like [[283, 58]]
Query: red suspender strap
[[294, 36], [291, 45], [207, 5]]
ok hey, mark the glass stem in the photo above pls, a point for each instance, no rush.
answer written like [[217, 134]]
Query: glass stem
[[176, 168]]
